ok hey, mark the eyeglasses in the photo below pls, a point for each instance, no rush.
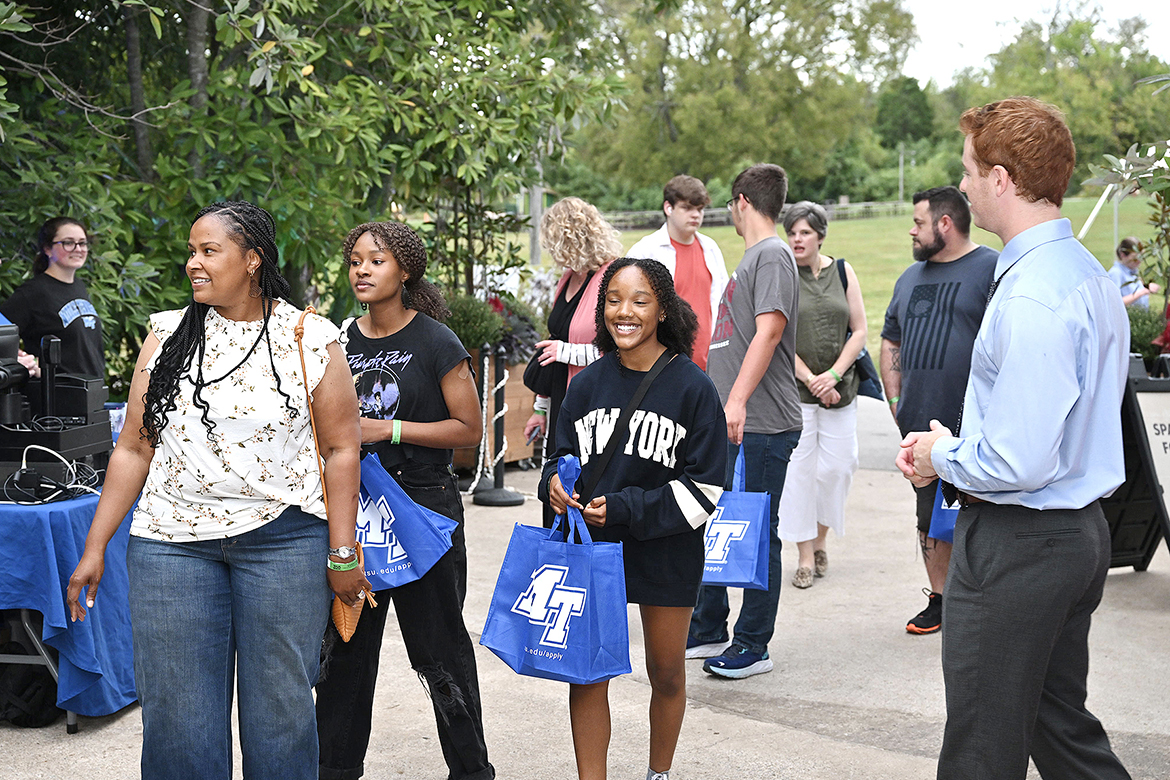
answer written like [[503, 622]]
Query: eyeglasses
[[69, 244], [729, 204]]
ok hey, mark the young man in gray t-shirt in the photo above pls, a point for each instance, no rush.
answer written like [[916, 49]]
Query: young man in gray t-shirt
[[751, 362]]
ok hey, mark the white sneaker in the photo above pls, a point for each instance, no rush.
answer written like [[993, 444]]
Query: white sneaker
[[709, 650]]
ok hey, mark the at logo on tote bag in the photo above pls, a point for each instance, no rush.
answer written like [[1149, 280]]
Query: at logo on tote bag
[[375, 528], [721, 532], [401, 540], [548, 602], [737, 536]]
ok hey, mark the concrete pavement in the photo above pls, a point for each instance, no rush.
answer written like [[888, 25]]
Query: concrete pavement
[[852, 694]]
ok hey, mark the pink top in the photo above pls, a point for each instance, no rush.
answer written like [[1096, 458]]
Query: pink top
[[583, 326]]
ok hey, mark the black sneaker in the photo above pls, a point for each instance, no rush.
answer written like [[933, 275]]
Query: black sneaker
[[929, 620]]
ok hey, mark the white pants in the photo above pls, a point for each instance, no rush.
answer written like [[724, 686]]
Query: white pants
[[820, 473]]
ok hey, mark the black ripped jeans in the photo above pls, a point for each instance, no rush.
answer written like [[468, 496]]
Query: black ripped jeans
[[430, 617]]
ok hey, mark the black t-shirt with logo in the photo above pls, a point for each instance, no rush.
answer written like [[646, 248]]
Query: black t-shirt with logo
[[400, 377], [46, 306]]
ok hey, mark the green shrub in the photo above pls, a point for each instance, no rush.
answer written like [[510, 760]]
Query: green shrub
[[474, 321], [1144, 326]]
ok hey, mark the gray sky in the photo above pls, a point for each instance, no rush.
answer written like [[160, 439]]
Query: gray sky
[[954, 36]]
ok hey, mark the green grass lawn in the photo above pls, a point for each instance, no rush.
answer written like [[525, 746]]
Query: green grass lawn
[[879, 249]]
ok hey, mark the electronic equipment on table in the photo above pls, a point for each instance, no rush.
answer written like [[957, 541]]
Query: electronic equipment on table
[[55, 429]]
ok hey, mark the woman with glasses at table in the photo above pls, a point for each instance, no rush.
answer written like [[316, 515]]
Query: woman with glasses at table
[[54, 302]]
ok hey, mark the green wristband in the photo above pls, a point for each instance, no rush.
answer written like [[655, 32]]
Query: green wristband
[[895, 399], [835, 375], [395, 431], [347, 566]]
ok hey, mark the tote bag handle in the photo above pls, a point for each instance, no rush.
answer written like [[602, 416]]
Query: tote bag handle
[[569, 469], [298, 335], [739, 474]]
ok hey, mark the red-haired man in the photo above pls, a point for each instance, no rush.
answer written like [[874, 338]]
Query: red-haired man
[[1039, 444]]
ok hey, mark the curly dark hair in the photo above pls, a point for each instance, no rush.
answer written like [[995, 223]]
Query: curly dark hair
[[252, 228], [408, 250], [676, 332], [45, 236]]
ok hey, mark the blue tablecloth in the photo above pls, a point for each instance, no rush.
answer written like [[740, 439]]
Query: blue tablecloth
[[39, 548]]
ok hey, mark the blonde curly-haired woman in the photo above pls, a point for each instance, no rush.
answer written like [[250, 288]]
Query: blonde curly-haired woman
[[583, 244]]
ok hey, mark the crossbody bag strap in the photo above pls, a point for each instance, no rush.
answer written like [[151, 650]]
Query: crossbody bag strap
[[845, 287], [298, 335], [623, 422]]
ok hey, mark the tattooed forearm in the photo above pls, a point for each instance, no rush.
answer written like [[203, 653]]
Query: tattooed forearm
[[896, 359]]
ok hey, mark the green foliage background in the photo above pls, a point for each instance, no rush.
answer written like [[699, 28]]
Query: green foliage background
[[123, 114], [815, 86], [328, 114]]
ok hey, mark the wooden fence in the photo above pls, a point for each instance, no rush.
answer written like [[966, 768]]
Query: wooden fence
[[716, 216]]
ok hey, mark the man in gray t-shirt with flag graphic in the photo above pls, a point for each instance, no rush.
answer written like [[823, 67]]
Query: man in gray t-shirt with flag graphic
[[751, 362], [930, 325]]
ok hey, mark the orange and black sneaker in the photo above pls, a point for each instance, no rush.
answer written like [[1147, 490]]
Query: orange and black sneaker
[[929, 620]]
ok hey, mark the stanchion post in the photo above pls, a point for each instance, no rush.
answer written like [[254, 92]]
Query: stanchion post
[[498, 495]]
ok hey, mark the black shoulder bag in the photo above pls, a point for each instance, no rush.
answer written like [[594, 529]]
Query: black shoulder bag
[[870, 380]]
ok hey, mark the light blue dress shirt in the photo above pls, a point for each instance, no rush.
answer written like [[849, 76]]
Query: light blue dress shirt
[[1042, 411], [1128, 282]]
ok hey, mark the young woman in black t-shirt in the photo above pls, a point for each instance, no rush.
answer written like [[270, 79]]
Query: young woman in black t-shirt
[[418, 401], [654, 497], [54, 302]]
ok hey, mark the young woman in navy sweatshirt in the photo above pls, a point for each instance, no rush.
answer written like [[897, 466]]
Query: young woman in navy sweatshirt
[[669, 466]]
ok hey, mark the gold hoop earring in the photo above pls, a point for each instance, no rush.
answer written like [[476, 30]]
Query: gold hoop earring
[[253, 286]]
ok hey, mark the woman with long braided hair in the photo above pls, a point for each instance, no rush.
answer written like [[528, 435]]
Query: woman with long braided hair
[[233, 553], [418, 401]]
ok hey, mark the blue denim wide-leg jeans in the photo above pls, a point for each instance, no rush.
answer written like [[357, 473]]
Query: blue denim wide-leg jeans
[[766, 464], [251, 607]]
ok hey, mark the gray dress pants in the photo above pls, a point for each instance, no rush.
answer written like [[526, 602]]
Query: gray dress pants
[[1020, 592]]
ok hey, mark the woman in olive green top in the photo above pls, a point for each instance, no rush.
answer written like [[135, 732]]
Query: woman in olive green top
[[822, 465]]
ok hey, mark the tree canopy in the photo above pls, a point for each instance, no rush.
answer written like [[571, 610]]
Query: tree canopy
[[715, 85], [903, 113], [131, 116], [1090, 76]]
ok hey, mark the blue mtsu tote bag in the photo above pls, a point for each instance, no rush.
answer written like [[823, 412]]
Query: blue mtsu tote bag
[[943, 517], [559, 607], [737, 537], [400, 540]]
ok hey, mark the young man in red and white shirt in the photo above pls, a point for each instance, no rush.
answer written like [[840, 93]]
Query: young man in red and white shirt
[[693, 259]]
